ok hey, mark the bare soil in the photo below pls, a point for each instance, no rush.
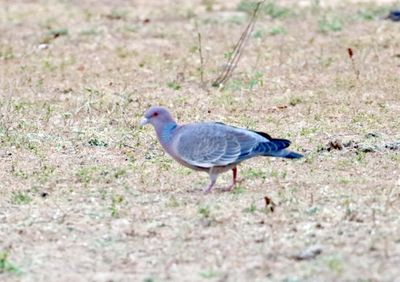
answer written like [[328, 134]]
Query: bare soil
[[88, 195]]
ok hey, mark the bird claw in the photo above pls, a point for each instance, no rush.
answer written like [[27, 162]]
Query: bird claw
[[206, 191], [229, 188], [232, 186], [226, 189]]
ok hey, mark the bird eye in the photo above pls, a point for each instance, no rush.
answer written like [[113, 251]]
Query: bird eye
[[155, 114]]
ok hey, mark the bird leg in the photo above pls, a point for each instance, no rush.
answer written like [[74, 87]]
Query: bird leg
[[234, 181], [213, 178]]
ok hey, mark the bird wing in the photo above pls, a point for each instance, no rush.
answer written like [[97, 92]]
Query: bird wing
[[215, 144]]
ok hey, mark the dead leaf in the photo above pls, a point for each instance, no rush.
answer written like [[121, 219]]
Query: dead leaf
[[269, 204]]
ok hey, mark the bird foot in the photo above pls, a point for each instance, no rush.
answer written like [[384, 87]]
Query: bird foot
[[229, 188], [206, 191], [232, 186], [225, 189]]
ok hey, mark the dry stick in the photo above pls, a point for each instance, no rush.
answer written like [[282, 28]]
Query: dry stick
[[201, 59], [353, 64], [237, 50], [201, 55], [234, 57]]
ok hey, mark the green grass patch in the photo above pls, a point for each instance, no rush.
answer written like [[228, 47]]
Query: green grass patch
[[20, 198], [6, 266]]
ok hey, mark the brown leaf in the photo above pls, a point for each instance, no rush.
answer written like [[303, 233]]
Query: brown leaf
[[269, 204], [334, 145], [350, 52]]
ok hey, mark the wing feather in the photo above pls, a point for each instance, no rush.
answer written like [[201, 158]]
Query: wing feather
[[214, 144]]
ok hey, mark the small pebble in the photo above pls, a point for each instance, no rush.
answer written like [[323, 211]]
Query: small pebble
[[309, 253], [43, 46]]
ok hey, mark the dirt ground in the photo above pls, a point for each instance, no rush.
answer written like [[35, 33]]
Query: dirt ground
[[88, 195]]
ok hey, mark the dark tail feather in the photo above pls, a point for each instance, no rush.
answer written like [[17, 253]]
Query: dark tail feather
[[293, 155], [276, 148]]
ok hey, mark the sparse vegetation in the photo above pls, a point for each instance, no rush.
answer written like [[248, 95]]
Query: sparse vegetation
[[6, 266], [330, 24], [251, 209], [270, 8], [88, 194], [174, 85], [20, 198], [115, 205], [204, 211]]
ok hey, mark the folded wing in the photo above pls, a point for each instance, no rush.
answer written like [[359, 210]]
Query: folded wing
[[215, 144]]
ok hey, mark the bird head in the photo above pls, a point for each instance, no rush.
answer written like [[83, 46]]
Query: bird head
[[156, 116]]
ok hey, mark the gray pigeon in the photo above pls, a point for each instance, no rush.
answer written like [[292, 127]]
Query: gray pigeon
[[213, 147]]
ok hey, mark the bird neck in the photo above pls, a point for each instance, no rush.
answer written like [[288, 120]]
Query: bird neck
[[166, 131]]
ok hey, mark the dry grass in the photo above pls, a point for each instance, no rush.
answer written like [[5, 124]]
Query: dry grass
[[85, 194]]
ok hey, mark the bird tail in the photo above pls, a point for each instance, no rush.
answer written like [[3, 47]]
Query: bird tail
[[284, 154], [293, 155], [277, 148]]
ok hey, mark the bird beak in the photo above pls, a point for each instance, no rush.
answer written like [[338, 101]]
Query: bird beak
[[144, 121]]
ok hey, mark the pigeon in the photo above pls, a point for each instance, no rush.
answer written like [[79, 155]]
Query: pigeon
[[213, 147]]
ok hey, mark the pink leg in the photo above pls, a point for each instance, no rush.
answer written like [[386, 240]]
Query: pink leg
[[213, 178], [234, 180]]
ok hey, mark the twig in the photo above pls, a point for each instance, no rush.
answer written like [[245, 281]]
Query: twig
[[234, 57], [200, 54], [6, 117], [353, 64]]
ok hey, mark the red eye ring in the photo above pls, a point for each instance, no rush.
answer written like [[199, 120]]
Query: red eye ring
[[155, 114]]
